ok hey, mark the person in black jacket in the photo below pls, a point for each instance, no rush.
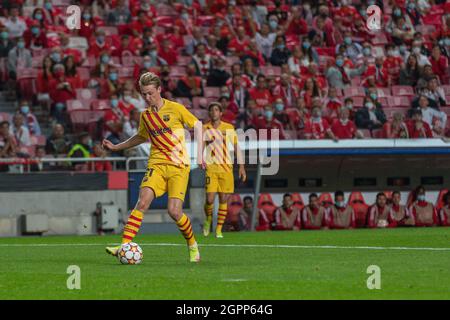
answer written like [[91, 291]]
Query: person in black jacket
[[369, 116], [218, 76], [280, 53]]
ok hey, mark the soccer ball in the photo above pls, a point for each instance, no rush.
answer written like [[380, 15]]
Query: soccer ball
[[130, 253]]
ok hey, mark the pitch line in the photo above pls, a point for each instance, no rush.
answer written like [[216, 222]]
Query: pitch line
[[231, 246]]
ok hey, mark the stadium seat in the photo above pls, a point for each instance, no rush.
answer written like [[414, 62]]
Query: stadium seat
[[446, 89], [201, 102], [379, 39], [440, 199], [89, 62], [232, 60], [185, 102], [366, 133], [326, 200], [265, 203], [377, 134], [359, 205], [38, 140], [26, 79], [36, 61], [4, 116], [388, 194], [389, 111], [73, 105], [84, 73], [81, 119], [270, 71], [297, 200], [177, 71], [354, 92], [100, 105], [211, 92], [200, 114], [126, 72], [399, 102], [358, 102], [184, 60], [383, 92], [80, 43], [402, 91], [130, 61]]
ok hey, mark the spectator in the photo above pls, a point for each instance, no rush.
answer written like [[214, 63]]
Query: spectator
[[268, 123], [410, 73], [15, 25], [19, 57], [239, 95], [434, 92], [280, 53], [318, 128], [261, 94], [400, 27], [424, 213], [377, 72], [417, 128], [120, 15], [39, 16], [115, 116], [218, 76], [57, 142], [378, 214], [8, 143], [425, 76], [310, 91], [444, 213], [99, 166], [20, 131], [344, 128], [369, 116], [6, 45], [82, 149], [30, 119], [252, 57], [265, 39], [132, 97], [131, 124], [35, 37], [339, 76], [45, 76], [435, 119], [202, 61], [190, 85], [53, 14], [416, 49], [197, 38], [395, 128], [340, 215], [280, 114], [39, 165], [244, 215], [71, 71], [211, 47], [296, 62], [167, 82], [239, 42], [439, 64], [88, 23], [288, 217], [332, 103], [112, 85], [61, 89], [288, 92], [392, 64], [399, 213], [353, 50], [126, 47], [372, 93], [168, 53], [98, 44], [314, 215]]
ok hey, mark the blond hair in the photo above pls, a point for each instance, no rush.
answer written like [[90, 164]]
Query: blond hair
[[149, 78]]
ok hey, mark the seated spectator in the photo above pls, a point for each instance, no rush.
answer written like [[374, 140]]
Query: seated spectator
[[132, 97], [400, 27], [280, 113], [372, 92], [35, 37], [435, 119], [191, 85], [444, 213], [99, 166], [434, 92], [211, 47], [339, 76], [439, 64], [340, 215], [424, 213], [61, 88], [239, 43], [229, 113], [6, 44], [268, 123], [143, 21], [400, 216], [318, 128], [332, 102], [314, 215], [167, 82], [239, 94], [8, 143], [15, 25], [310, 91], [377, 73], [126, 47], [395, 128], [253, 58], [425, 76], [289, 92], [295, 62], [98, 44], [369, 116], [378, 214], [31, 121], [309, 53], [392, 64], [249, 69], [280, 53], [417, 128], [71, 71], [218, 75], [120, 14], [53, 14], [39, 165], [416, 49], [168, 53], [288, 217], [112, 85], [353, 50], [260, 93], [81, 149], [344, 128], [202, 61], [131, 124], [115, 116], [57, 142], [88, 23], [244, 215], [45, 75], [20, 130], [410, 73]]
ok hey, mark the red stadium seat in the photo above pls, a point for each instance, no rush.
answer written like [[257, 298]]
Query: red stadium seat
[[297, 200], [383, 92], [377, 134], [359, 205], [355, 81], [130, 61], [100, 105], [266, 203], [379, 39], [73, 105], [399, 102], [30, 150], [36, 61], [390, 111], [232, 60], [402, 91], [89, 62], [326, 51], [184, 60], [126, 72], [38, 140], [26, 80], [86, 94], [446, 110], [326, 200], [270, 71], [211, 92], [354, 92], [358, 102], [177, 71], [440, 199], [4, 116]]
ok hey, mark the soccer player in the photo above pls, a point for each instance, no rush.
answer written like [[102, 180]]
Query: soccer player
[[340, 215], [378, 214], [162, 122], [219, 136], [288, 217], [398, 213], [314, 214], [424, 213]]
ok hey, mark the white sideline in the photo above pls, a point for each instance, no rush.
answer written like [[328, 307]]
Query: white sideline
[[230, 246]]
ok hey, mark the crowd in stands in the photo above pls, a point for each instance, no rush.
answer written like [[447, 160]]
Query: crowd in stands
[[324, 212], [311, 69]]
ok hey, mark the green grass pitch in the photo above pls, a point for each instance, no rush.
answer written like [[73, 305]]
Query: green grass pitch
[[266, 265]]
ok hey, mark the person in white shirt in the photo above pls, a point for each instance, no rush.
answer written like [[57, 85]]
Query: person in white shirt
[[434, 92], [430, 114], [15, 25], [265, 39], [20, 131], [422, 59], [131, 124]]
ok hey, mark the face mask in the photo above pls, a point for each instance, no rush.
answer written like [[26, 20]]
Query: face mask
[[113, 76], [416, 50], [35, 30], [316, 118], [349, 106], [363, 13], [306, 45], [390, 53], [411, 6], [87, 16], [397, 12], [114, 103], [21, 45], [367, 51], [59, 73], [105, 59], [279, 107], [339, 62], [273, 24], [48, 5], [38, 16], [100, 39], [147, 64], [402, 49], [4, 35], [153, 53], [127, 99], [56, 57], [184, 16], [59, 106], [369, 105], [421, 197], [348, 40], [89, 143], [447, 42], [374, 96], [226, 95], [280, 46], [25, 109], [268, 114], [340, 204]]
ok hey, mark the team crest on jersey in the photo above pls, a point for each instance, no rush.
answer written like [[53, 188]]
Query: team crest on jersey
[[166, 117]]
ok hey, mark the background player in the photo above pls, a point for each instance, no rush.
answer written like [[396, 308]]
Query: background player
[[162, 122], [219, 136]]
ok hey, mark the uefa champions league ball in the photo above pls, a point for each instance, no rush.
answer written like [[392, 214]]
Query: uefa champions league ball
[[130, 253]]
